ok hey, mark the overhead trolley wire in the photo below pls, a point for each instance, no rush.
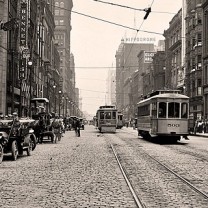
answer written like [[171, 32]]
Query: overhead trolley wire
[[113, 23], [133, 8], [107, 21]]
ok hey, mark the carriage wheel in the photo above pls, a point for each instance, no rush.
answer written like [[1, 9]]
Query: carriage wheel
[[34, 141], [1, 153], [14, 150], [30, 147]]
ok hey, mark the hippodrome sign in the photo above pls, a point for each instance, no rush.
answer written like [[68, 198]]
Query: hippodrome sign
[[139, 39]]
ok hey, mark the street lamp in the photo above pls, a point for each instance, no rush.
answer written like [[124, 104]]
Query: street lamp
[[54, 90], [59, 103], [30, 67], [66, 105], [63, 102]]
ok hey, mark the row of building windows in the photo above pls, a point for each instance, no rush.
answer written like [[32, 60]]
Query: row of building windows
[[59, 4], [59, 12], [59, 22], [61, 37]]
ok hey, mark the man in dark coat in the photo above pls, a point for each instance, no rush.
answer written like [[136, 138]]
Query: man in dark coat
[[77, 126]]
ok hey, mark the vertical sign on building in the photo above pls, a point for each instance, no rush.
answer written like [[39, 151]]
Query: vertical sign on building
[[23, 38]]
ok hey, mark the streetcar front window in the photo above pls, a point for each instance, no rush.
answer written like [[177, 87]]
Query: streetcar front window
[[184, 110], [162, 110], [173, 110], [101, 115], [108, 115]]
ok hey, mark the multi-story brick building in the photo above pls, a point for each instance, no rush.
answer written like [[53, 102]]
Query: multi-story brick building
[[174, 71], [205, 56], [31, 42], [194, 57]]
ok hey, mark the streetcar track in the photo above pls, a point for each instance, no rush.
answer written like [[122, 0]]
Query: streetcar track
[[187, 152], [136, 198], [124, 173], [181, 178]]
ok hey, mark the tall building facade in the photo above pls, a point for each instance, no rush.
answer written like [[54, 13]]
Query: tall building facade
[[126, 65], [205, 56], [63, 27], [3, 55]]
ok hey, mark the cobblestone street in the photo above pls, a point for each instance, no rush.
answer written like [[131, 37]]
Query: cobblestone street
[[83, 172], [75, 172]]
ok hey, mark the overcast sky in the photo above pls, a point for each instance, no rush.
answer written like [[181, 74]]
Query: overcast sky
[[94, 43]]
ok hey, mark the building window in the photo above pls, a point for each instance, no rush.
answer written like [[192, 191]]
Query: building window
[[206, 75], [61, 22], [57, 3], [56, 12], [199, 39], [62, 4], [61, 53], [193, 42], [193, 64], [56, 22], [199, 62], [62, 12]]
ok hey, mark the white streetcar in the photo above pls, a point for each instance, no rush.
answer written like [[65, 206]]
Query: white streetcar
[[163, 113]]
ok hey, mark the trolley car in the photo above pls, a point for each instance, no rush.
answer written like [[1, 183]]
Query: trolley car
[[120, 122], [107, 118], [163, 113]]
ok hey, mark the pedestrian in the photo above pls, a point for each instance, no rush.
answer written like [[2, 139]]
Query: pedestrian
[[56, 128], [77, 127]]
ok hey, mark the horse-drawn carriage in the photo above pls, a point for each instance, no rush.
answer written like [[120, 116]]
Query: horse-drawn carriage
[[43, 124], [16, 136]]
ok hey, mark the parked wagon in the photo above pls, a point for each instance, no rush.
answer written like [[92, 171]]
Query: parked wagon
[[40, 113]]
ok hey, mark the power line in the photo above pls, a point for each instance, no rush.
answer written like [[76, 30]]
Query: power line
[[119, 5], [133, 8], [107, 21], [113, 23]]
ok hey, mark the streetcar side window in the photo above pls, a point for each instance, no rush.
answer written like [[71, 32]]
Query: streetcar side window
[[184, 110], [113, 115], [173, 110], [101, 115], [144, 110], [162, 110]]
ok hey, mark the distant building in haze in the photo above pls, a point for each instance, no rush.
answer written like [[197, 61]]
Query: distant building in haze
[[126, 65], [111, 87]]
